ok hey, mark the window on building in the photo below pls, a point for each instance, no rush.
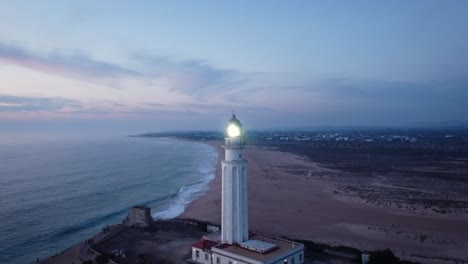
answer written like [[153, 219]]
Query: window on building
[[229, 262], [285, 261], [197, 253], [300, 257], [206, 256], [292, 260], [218, 260]]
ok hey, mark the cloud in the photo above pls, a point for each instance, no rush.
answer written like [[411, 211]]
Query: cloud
[[392, 102], [10, 103], [77, 66], [98, 107], [214, 90], [196, 78], [65, 107], [448, 90]]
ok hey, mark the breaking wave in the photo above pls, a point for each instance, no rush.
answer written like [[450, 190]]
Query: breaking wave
[[188, 193]]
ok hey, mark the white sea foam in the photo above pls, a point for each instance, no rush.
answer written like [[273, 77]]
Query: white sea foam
[[188, 193]]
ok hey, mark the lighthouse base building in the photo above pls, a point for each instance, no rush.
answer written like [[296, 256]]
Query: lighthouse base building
[[235, 244], [259, 249]]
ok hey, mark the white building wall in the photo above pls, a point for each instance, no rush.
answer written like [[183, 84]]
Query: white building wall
[[293, 256], [234, 219], [204, 257], [294, 259], [232, 260], [234, 154], [245, 204]]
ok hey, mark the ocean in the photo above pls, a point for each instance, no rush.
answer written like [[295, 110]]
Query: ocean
[[54, 194]]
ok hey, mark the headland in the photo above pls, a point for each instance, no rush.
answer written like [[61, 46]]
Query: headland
[[296, 195]]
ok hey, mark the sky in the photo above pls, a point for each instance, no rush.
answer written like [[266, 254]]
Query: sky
[[163, 65]]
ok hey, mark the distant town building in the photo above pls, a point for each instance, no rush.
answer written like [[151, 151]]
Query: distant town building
[[235, 245]]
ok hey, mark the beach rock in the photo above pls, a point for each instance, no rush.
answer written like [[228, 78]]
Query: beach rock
[[138, 216]]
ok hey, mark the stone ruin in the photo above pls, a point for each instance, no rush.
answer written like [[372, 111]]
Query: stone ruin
[[138, 216]]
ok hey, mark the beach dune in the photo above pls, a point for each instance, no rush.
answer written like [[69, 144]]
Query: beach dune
[[305, 206]]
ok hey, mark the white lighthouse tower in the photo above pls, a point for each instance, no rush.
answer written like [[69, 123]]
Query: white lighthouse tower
[[235, 245], [234, 222]]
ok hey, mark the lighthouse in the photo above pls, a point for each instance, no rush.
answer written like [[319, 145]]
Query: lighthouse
[[234, 245], [234, 209]]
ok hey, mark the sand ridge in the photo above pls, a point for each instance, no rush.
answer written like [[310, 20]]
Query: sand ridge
[[283, 201]]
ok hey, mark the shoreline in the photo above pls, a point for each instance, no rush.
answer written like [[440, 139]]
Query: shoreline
[[211, 199], [307, 207], [188, 193]]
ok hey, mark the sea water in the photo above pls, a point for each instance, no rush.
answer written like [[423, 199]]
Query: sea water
[[54, 194]]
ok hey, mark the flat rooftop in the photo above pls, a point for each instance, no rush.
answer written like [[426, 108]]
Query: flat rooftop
[[216, 237], [258, 245], [282, 246]]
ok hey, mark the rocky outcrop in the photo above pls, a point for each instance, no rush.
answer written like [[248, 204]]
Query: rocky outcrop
[[138, 216]]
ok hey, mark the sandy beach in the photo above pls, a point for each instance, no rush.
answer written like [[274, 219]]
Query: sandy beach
[[286, 200], [308, 206]]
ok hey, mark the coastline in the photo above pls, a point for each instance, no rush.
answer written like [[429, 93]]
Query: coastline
[[285, 203], [188, 193], [176, 204], [211, 200]]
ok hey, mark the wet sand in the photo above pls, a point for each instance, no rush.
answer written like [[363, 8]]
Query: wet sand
[[307, 206]]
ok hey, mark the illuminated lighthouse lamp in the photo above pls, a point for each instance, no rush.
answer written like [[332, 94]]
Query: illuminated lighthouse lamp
[[234, 128]]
